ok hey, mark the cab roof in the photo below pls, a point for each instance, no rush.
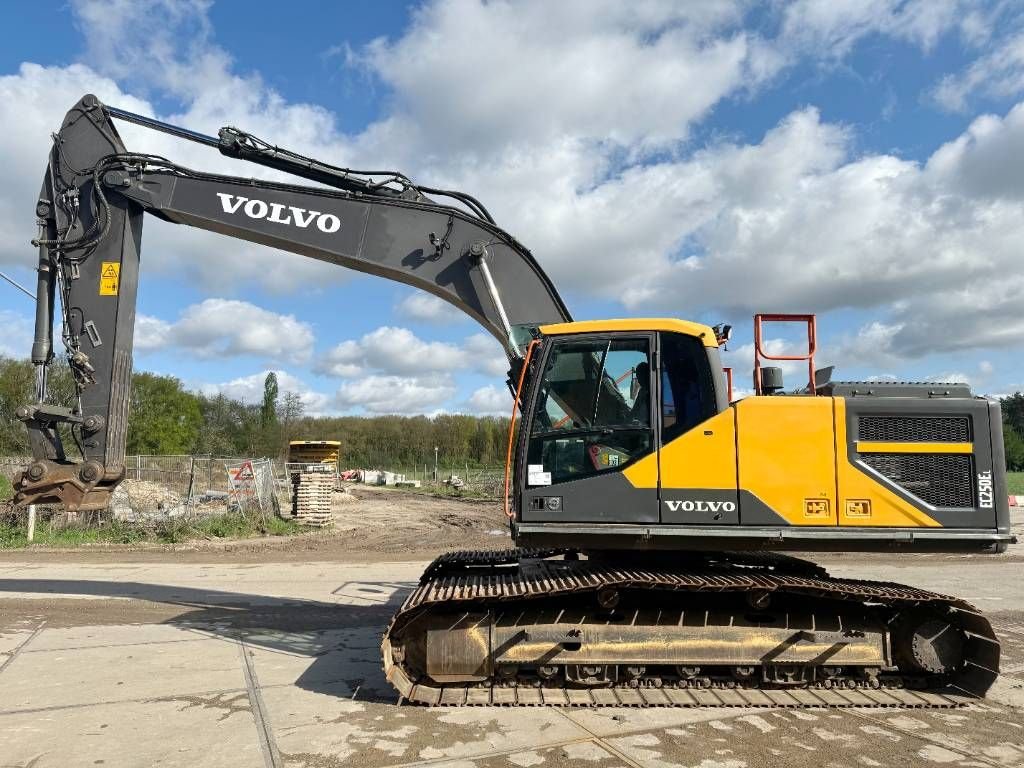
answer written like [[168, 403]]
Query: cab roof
[[686, 327]]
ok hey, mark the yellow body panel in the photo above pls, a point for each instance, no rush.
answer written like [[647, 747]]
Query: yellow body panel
[[701, 460], [695, 459], [866, 502], [792, 454], [864, 446], [701, 331], [786, 451], [644, 473]]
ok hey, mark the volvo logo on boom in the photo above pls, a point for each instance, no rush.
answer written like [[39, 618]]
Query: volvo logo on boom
[[279, 213]]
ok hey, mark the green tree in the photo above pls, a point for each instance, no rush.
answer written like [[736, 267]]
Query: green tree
[[164, 418], [268, 411], [229, 426], [1013, 411], [17, 388], [1014, 448], [292, 409]]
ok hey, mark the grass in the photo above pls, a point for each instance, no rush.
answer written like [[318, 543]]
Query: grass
[[232, 525], [1015, 482], [6, 491]]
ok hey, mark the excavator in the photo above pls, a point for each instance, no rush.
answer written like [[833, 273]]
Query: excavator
[[654, 517]]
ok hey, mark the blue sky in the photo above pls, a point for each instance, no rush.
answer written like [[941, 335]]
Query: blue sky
[[705, 161]]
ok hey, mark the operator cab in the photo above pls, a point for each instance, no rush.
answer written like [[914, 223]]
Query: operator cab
[[608, 396]]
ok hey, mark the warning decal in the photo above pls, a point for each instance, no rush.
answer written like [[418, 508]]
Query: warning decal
[[109, 278]]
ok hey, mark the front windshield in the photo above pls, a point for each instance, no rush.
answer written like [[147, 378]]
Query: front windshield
[[593, 411], [595, 385]]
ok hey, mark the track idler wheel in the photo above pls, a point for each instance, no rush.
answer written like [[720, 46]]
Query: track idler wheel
[[928, 644]]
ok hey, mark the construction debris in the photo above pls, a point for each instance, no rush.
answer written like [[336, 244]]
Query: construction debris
[[141, 500]]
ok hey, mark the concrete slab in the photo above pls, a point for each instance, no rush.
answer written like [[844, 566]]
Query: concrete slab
[[810, 737], [58, 639], [307, 659], [120, 672], [614, 721], [984, 730], [327, 728], [576, 753], [171, 733]]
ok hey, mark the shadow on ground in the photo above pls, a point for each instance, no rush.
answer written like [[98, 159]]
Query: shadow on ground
[[340, 638]]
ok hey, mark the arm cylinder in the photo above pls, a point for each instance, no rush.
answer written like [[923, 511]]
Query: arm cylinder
[[42, 344]]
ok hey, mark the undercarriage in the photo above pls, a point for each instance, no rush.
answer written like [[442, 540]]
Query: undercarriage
[[556, 627]]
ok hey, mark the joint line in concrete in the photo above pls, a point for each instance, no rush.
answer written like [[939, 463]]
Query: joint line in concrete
[[14, 654], [611, 749], [268, 746]]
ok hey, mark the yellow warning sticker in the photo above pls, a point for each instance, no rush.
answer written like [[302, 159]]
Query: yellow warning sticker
[[109, 278]]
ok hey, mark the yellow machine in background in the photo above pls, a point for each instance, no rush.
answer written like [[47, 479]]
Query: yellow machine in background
[[314, 452]]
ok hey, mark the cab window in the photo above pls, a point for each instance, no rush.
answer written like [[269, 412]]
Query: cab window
[[687, 387], [593, 410]]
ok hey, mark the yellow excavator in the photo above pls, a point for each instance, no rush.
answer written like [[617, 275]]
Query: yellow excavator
[[652, 514]]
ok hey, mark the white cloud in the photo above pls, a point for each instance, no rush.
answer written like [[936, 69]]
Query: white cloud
[[225, 327], [392, 370], [395, 394], [485, 355], [998, 73], [177, 53], [557, 70], [427, 308], [490, 400], [831, 28], [399, 351], [249, 389]]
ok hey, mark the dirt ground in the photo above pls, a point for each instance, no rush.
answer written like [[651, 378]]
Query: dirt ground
[[370, 524], [387, 522]]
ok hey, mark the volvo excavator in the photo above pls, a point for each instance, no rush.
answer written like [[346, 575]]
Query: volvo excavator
[[653, 516]]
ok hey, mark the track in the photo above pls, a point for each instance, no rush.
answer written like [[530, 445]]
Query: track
[[490, 609]]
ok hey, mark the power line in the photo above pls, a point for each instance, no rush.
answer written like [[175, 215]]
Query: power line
[[17, 285]]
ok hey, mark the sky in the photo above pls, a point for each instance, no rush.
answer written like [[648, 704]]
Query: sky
[[859, 159]]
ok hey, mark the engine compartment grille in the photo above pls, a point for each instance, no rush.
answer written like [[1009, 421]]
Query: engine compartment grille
[[914, 429], [940, 479]]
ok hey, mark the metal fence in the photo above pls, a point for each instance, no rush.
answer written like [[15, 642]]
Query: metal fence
[[192, 477]]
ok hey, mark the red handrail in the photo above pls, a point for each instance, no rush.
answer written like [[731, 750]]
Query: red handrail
[[812, 344]]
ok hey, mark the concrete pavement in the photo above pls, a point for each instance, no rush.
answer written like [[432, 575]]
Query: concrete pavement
[[277, 664]]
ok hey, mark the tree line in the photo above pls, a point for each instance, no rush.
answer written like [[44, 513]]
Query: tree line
[[166, 418]]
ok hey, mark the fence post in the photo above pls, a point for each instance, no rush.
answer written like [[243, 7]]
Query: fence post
[[31, 522], [191, 481]]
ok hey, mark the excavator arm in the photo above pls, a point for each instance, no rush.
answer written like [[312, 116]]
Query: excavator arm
[[90, 215]]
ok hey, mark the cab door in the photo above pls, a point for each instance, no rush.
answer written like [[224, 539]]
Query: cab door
[[697, 460], [592, 418]]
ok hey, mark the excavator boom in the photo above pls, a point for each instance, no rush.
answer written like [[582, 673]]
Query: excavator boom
[[90, 211]]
